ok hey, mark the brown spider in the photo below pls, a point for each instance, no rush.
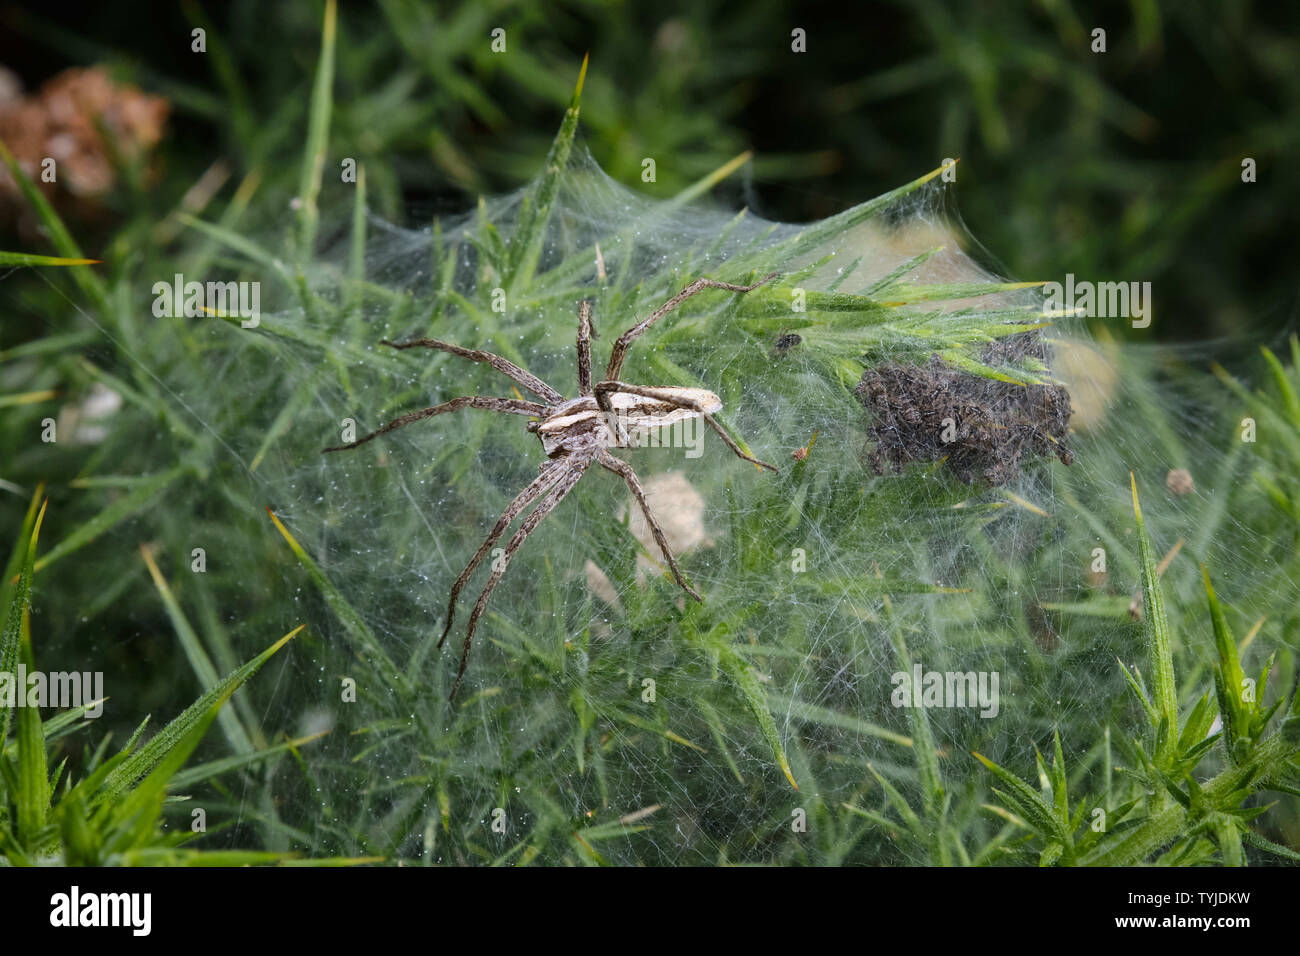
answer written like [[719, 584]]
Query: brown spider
[[575, 433]]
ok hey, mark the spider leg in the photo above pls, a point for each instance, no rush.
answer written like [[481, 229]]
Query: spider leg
[[731, 443], [506, 367], [547, 476], [529, 524], [511, 406], [584, 348], [619, 351], [604, 388], [625, 471]]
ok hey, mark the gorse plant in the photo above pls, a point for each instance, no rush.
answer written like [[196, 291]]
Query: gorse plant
[[602, 719], [109, 811], [1163, 814]]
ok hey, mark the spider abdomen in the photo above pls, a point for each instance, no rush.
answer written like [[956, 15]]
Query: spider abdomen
[[580, 425]]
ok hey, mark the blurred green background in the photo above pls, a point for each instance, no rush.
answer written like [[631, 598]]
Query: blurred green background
[[1123, 165]]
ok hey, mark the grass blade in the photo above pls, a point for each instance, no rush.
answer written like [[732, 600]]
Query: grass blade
[[12, 638], [130, 504], [1156, 622], [526, 243], [151, 755], [313, 160], [33, 797], [62, 240], [363, 638], [196, 654], [27, 259]]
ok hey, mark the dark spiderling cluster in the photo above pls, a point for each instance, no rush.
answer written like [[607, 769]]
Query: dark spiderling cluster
[[983, 428], [785, 343]]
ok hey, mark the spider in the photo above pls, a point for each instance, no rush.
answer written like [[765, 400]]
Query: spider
[[575, 433]]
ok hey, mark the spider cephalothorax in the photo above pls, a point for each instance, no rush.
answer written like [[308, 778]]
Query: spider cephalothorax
[[575, 433]]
